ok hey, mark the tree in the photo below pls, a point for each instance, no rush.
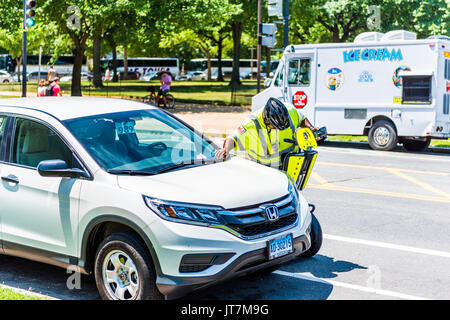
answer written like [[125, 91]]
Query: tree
[[245, 21], [80, 19], [211, 21], [425, 17]]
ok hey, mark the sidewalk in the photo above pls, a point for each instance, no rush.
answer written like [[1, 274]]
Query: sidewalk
[[213, 120]]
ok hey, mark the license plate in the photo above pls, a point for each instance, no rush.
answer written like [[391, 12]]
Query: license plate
[[280, 246]]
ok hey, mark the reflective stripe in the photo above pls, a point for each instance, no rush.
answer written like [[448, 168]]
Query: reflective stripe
[[262, 139], [268, 159]]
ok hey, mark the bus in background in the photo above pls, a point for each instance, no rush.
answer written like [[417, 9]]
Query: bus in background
[[144, 65], [63, 65], [273, 67], [245, 65], [7, 63]]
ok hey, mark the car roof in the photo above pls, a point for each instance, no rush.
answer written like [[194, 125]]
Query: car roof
[[64, 108]]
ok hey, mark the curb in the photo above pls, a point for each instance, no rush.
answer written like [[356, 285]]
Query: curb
[[215, 135]]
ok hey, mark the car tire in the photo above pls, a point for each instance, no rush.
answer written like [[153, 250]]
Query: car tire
[[382, 136], [6, 81], [316, 238], [124, 270], [416, 145]]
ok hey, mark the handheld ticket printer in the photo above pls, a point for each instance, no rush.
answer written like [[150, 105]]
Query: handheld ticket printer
[[299, 165]]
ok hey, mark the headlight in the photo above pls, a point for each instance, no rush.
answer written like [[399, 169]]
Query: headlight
[[184, 212]]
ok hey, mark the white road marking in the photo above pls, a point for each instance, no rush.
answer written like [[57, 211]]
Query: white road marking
[[350, 286], [443, 254], [405, 156]]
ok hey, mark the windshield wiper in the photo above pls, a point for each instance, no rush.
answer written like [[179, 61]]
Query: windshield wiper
[[132, 172], [179, 166]]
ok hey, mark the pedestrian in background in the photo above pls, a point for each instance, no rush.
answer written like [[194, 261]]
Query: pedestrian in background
[[51, 74], [108, 75], [56, 88], [166, 81], [41, 88]]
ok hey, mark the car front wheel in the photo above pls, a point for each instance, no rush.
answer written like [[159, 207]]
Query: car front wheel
[[316, 238], [123, 269]]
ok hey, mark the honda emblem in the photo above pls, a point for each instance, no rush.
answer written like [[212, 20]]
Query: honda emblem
[[271, 212]]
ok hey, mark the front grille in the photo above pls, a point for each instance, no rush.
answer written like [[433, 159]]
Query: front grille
[[253, 222], [265, 227]]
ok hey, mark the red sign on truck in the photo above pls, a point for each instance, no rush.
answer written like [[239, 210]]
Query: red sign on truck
[[300, 99]]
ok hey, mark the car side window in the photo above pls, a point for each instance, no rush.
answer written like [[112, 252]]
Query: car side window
[[2, 128], [34, 142]]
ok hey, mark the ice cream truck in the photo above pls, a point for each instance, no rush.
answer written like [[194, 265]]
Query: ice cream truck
[[392, 87]]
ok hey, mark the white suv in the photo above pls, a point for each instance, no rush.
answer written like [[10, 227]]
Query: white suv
[[134, 195]]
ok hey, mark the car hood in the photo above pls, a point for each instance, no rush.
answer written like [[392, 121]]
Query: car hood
[[231, 184]]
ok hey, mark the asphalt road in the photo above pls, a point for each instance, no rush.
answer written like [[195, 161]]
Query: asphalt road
[[385, 218]]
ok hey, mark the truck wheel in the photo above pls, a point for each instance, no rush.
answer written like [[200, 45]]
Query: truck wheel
[[316, 238], [382, 136], [416, 145], [123, 269]]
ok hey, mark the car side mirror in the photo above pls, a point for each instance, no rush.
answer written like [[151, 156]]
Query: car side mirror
[[267, 82], [58, 168]]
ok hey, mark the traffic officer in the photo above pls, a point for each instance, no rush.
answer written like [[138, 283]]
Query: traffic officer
[[267, 135]]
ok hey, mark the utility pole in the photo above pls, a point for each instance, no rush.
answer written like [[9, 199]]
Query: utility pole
[[24, 51], [258, 51], [286, 23], [251, 62]]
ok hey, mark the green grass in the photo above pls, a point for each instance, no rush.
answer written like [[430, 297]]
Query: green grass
[[8, 294], [203, 92]]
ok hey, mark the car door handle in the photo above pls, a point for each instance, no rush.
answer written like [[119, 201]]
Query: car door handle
[[11, 179]]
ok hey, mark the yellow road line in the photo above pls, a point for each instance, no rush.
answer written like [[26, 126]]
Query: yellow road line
[[318, 178], [378, 192], [381, 168], [424, 185]]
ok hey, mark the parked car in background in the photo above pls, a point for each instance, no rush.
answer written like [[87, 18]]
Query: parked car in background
[[248, 75], [34, 75], [84, 77], [192, 75], [151, 75], [226, 74], [5, 77]]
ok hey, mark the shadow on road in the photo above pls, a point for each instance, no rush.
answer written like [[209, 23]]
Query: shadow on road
[[321, 266], [278, 287], [52, 281], [45, 279], [264, 287]]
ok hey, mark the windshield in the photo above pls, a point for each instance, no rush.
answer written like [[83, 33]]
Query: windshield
[[140, 141]]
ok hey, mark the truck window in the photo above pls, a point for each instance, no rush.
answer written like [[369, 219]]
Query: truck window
[[299, 73], [416, 89], [447, 69], [279, 78]]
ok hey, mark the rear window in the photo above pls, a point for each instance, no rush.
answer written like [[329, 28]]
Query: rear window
[[447, 69], [417, 89]]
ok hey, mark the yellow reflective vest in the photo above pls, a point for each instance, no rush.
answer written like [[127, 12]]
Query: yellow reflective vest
[[263, 145]]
